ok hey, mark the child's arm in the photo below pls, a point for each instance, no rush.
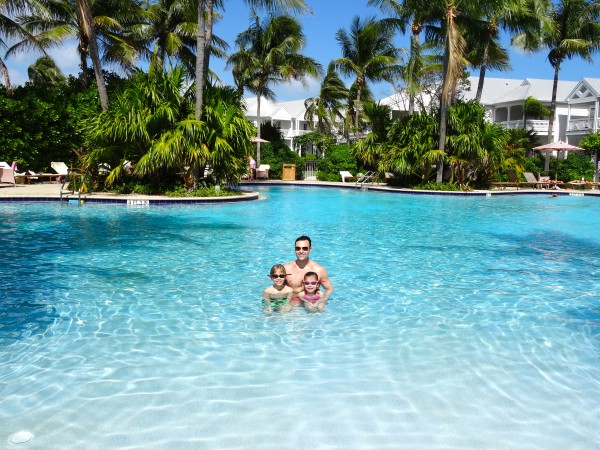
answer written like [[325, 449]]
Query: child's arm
[[267, 299], [290, 295]]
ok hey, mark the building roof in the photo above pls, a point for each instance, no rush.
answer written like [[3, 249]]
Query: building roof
[[493, 88], [505, 90], [594, 84], [266, 107], [496, 91], [279, 110], [587, 88]]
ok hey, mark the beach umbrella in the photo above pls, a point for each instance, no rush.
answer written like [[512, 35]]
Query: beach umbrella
[[557, 146]]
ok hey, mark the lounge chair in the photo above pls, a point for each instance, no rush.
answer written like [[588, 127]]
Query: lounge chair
[[513, 181], [61, 169], [346, 175], [541, 182], [533, 181], [390, 177], [551, 184], [366, 178], [263, 172], [7, 173]]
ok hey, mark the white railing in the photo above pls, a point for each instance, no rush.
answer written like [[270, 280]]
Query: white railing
[[294, 133], [310, 170], [585, 124], [538, 126]]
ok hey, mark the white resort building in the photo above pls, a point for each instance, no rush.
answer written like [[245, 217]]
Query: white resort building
[[287, 116], [577, 104]]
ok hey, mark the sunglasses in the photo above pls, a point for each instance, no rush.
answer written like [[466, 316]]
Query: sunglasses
[[302, 248], [281, 275], [311, 283]]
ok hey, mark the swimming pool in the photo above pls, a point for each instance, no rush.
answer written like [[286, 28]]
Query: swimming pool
[[456, 323]]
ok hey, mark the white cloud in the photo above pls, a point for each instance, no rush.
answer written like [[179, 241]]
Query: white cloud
[[296, 91], [66, 57]]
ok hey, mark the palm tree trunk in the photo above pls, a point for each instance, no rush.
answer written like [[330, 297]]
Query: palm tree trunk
[[5, 75], [442, 140], [443, 113], [86, 15], [357, 107], [258, 129], [551, 118], [209, 32], [482, 71], [200, 58], [414, 45]]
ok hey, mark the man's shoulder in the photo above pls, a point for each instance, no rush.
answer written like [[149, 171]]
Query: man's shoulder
[[313, 265]]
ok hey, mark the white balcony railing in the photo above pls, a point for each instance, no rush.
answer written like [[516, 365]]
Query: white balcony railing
[[585, 124], [294, 133], [538, 126]]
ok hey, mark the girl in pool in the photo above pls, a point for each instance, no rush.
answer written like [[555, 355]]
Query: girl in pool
[[279, 296], [311, 296]]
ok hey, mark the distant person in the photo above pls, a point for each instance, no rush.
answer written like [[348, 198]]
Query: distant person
[[301, 266], [251, 168], [311, 297], [278, 296]]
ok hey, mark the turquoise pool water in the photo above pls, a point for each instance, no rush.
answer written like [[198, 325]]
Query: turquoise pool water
[[456, 323]]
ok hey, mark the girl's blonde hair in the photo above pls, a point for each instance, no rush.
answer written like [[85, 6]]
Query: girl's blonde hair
[[277, 268]]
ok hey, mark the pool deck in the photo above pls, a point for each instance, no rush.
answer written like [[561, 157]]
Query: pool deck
[[51, 192]]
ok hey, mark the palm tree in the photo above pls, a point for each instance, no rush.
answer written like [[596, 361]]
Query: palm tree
[[514, 16], [369, 149], [368, 54], [45, 72], [10, 30], [206, 16], [269, 53], [326, 109], [110, 23], [152, 124], [486, 52], [573, 30], [169, 32], [415, 15], [88, 33]]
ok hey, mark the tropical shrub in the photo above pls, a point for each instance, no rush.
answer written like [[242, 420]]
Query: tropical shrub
[[40, 124], [411, 148], [276, 154], [432, 186], [151, 123], [574, 167], [338, 158], [270, 132]]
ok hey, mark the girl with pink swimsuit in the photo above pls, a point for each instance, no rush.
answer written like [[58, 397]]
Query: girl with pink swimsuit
[[311, 296]]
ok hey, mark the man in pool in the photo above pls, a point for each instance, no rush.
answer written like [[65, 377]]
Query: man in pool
[[295, 270]]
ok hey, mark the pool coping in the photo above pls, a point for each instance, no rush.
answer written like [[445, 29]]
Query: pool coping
[[406, 191], [50, 192]]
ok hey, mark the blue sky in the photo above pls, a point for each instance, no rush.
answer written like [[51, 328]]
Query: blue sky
[[320, 28]]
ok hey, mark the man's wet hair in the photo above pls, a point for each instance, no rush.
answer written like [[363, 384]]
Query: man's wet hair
[[304, 238]]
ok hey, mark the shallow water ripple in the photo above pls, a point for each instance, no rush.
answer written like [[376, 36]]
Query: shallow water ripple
[[456, 323]]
